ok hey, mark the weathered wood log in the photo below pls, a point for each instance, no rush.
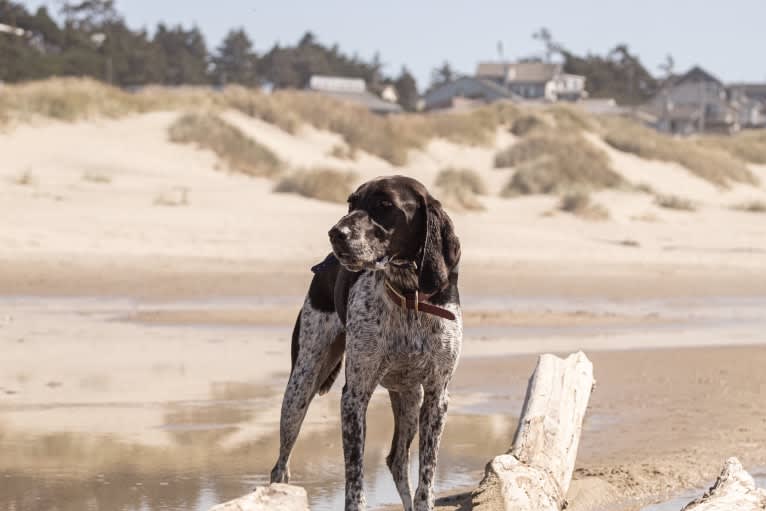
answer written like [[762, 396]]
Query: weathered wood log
[[274, 497], [734, 489], [535, 474]]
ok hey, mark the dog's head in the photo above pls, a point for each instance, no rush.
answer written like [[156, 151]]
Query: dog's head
[[396, 218]]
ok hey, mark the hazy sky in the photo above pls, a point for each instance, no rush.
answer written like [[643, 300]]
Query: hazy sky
[[728, 38]]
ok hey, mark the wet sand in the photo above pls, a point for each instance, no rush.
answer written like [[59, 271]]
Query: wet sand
[[158, 277], [122, 402]]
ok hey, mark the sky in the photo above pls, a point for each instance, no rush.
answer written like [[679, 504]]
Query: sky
[[727, 38]]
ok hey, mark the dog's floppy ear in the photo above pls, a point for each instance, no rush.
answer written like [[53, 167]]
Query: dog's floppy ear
[[441, 249]]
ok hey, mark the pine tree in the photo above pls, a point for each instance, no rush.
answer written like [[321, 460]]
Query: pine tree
[[407, 90], [441, 75], [235, 61]]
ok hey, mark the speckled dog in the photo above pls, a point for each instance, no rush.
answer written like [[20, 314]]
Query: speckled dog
[[388, 297]]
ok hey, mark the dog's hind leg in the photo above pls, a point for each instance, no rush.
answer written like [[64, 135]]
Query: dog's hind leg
[[318, 344], [433, 413], [406, 408]]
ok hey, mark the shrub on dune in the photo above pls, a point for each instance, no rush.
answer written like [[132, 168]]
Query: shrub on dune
[[756, 206], [579, 203], [232, 146], [748, 146], [709, 163], [68, 99], [325, 184], [527, 124], [460, 188], [554, 162], [675, 202]]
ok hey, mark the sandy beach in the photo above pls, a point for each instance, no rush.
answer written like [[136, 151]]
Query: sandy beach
[[188, 410], [145, 347]]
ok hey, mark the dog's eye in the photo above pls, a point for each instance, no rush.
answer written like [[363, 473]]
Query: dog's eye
[[384, 204]]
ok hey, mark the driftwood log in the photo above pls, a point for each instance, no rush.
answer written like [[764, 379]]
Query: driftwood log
[[274, 497], [535, 474], [733, 490]]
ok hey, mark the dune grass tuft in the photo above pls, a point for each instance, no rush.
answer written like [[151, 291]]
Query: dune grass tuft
[[237, 150], [69, 99], [527, 124], [26, 178], [555, 162], [712, 164], [96, 177], [675, 202], [579, 203], [459, 188], [342, 152], [571, 118], [325, 184], [755, 206], [749, 146], [360, 128]]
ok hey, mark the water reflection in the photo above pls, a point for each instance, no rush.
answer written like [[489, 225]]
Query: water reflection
[[208, 458]]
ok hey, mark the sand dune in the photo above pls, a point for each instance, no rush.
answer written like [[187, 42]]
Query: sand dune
[[91, 188]]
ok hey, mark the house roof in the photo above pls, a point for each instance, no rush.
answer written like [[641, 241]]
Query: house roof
[[695, 74], [492, 86], [755, 91], [747, 87], [479, 88], [337, 84], [353, 90], [518, 71], [365, 99], [492, 69]]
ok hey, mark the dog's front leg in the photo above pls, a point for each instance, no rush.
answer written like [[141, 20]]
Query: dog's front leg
[[361, 380], [432, 417]]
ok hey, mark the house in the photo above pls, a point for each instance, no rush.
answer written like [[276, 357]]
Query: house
[[694, 102], [352, 90], [494, 81], [751, 100], [465, 92], [756, 91], [534, 80]]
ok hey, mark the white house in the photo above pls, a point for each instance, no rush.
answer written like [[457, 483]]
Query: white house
[[534, 80], [750, 99]]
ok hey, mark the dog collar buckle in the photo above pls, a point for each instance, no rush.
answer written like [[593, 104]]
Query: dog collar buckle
[[413, 303]]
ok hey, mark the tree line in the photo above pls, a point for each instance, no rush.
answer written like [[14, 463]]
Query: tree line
[[92, 39]]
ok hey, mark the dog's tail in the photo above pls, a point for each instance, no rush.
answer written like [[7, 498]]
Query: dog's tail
[[327, 384], [333, 364], [295, 345]]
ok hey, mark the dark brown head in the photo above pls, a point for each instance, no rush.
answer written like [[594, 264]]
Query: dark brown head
[[396, 218]]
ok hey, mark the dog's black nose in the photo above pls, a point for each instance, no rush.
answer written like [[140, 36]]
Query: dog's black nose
[[336, 235]]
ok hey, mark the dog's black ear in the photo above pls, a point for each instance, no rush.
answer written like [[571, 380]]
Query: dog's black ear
[[441, 250]]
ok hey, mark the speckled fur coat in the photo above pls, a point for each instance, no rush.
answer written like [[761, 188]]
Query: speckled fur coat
[[412, 354]]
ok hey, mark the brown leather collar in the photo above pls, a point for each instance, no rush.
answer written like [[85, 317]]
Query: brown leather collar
[[415, 302]]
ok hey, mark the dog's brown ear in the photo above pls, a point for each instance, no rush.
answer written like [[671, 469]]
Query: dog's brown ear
[[441, 250]]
